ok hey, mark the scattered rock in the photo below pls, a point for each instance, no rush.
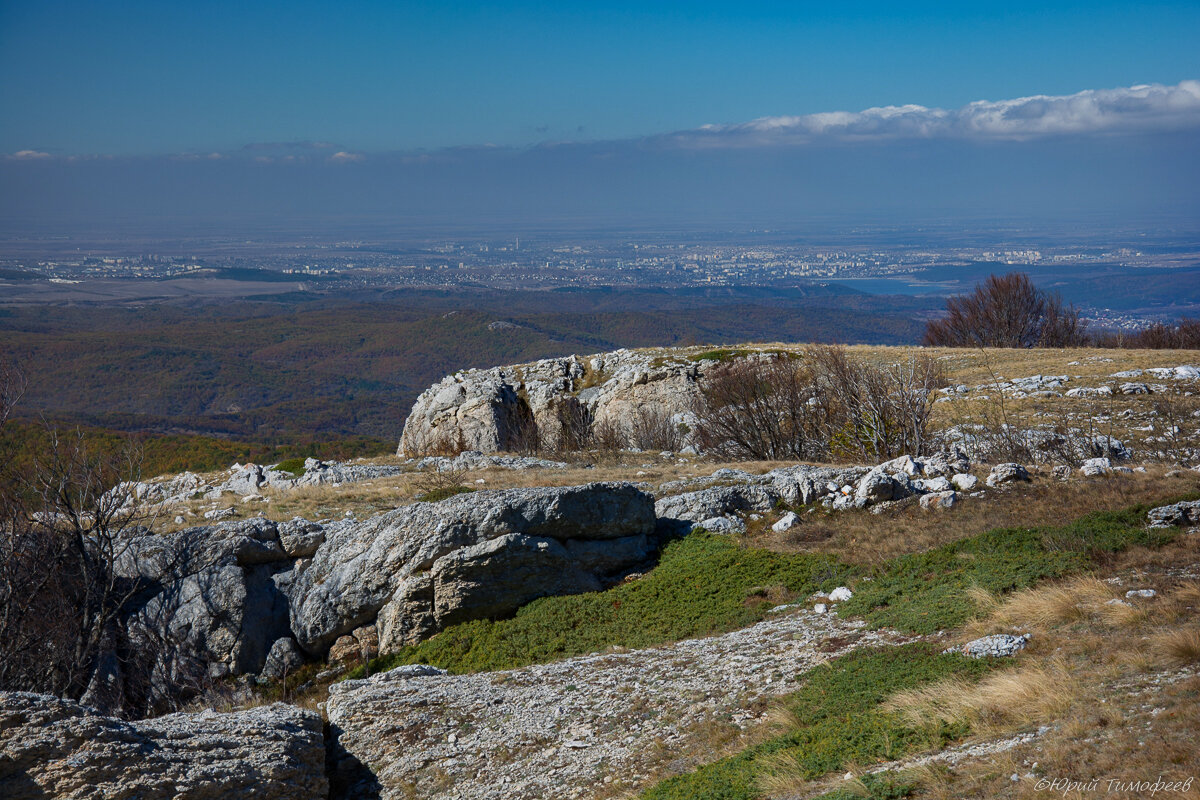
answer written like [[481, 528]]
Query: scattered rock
[[964, 482], [283, 658], [1009, 472], [1143, 593], [935, 500], [997, 645], [726, 524], [1185, 513], [786, 522], [840, 594]]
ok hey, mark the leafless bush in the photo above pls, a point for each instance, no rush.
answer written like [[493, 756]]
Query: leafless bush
[[877, 412], [1008, 311], [526, 437], [769, 408], [1173, 416], [432, 483], [651, 428], [608, 438], [574, 427], [826, 404], [66, 526]]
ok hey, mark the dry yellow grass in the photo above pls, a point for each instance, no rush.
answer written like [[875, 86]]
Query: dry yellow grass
[[1179, 647], [1021, 696], [1043, 607]]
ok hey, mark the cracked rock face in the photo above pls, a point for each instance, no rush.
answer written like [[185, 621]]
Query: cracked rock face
[[424, 566], [56, 748], [490, 410]]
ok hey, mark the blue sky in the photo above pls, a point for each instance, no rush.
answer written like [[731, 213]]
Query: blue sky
[[702, 112], [132, 78]]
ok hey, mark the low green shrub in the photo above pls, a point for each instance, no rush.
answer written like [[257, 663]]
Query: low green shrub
[[293, 465], [927, 592], [703, 584], [443, 492]]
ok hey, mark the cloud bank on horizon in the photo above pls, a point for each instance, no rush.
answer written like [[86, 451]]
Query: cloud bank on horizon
[[1141, 109], [1146, 108]]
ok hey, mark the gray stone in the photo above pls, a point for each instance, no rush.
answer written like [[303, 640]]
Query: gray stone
[[387, 560], [716, 502], [727, 524], [786, 522], [964, 482], [875, 487], [938, 484], [1009, 472], [496, 577], [283, 659], [998, 645], [946, 462], [1096, 466], [1185, 513], [300, 538], [943, 500], [55, 748]]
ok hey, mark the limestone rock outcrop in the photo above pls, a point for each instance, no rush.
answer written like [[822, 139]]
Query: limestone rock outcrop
[[56, 748], [428, 565], [499, 409], [216, 595]]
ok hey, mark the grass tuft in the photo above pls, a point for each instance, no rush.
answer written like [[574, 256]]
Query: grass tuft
[[1179, 647]]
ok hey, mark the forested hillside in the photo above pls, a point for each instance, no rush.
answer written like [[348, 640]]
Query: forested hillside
[[305, 370]]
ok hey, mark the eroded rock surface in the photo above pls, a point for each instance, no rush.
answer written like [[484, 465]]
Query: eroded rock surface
[[559, 730], [56, 748]]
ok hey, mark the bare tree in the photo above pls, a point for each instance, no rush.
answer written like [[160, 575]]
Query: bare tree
[[1008, 311], [12, 387]]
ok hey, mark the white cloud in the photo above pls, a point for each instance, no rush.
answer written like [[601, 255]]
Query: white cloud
[[29, 155], [1136, 109], [343, 157]]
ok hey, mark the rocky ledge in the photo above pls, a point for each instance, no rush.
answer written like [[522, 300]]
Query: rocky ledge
[[55, 748], [560, 730]]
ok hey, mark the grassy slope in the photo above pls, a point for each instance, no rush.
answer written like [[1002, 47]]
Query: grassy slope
[[920, 593], [709, 584]]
